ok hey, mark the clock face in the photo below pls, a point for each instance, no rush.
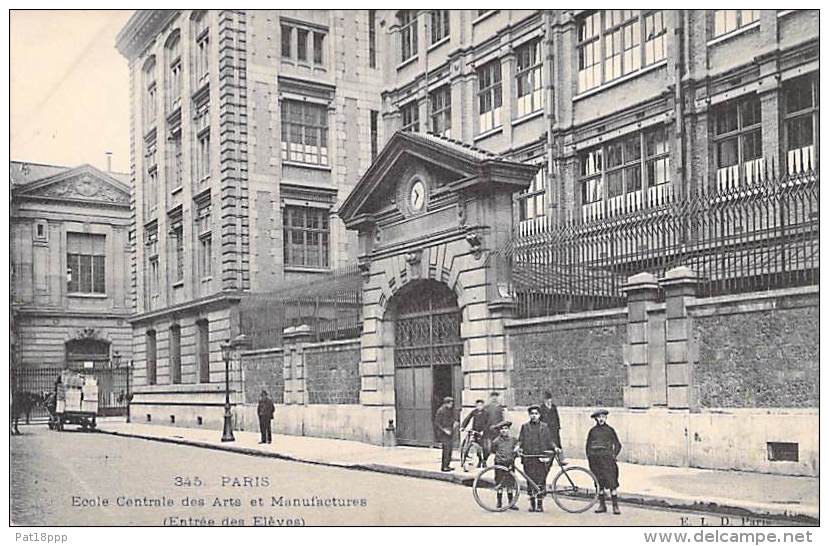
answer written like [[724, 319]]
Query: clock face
[[417, 196]]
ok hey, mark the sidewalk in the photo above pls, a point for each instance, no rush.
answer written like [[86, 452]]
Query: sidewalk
[[724, 492]]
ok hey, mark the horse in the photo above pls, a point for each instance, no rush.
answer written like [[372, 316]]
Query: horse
[[22, 403]]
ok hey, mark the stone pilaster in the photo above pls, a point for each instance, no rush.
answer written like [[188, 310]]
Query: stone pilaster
[[680, 288], [295, 338], [641, 291]]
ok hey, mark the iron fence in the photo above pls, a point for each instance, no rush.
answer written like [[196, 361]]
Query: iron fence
[[36, 381], [743, 238], [330, 305]]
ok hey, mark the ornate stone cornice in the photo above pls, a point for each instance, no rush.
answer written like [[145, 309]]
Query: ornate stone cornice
[[140, 29]]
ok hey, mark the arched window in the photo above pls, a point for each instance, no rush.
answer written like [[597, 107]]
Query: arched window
[[173, 60], [87, 354], [201, 48], [150, 93]]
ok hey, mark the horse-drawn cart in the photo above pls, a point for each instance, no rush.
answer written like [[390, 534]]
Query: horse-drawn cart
[[74, 401]]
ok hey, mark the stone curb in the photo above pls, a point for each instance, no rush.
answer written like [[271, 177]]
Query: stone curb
[[628, 498]]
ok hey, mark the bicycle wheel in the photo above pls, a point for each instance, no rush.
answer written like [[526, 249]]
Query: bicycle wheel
[[495, 489], [465, 451], [575, 489]]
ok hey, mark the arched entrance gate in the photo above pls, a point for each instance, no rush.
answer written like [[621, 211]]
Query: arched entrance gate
[[427, 357]]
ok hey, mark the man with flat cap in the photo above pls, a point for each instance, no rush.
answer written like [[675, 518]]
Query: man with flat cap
[[536, 442], [603, 446], [445, 423]]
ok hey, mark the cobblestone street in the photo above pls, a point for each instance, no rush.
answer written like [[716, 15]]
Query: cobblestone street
[[51, 470]]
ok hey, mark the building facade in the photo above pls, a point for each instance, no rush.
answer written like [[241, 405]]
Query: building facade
[[625, 109], [70, 255], [248, 128]]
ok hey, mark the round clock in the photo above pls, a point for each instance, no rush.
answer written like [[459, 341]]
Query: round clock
[[417, 196]]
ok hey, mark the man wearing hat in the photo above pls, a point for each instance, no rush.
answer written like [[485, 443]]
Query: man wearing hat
[[534, 440], [603, 446], [494, 414], [444, 428], [265, 409], [549, 415]]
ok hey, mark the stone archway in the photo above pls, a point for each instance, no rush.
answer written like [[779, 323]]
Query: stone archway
[[425, 319]]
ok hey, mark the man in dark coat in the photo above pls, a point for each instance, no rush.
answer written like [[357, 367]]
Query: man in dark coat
[[494, 414], [265, 411], [444, 430], [603, 446], [549, 416], [536, 443], [480, 426]]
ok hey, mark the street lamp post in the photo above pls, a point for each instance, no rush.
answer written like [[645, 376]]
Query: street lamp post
[[228, 349]]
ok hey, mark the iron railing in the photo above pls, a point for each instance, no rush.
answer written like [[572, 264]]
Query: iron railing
[[750, 237], [330, 305]]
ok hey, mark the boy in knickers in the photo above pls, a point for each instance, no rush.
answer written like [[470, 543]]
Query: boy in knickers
[[504, 446]]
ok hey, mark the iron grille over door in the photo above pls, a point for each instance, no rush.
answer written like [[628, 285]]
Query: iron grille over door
[[428, 350]]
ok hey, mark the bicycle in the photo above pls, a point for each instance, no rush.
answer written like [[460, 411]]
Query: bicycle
[[574, 488], [471, 440]]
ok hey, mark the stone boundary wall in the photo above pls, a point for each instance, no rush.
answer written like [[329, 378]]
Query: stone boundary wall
[[578, 357], [332, 372], [263, 370]]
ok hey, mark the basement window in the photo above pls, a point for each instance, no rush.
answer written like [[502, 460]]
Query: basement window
[[783, 451]]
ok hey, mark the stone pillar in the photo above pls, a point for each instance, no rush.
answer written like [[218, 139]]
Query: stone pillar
[[294, 340], [680, 286], [641, 291]]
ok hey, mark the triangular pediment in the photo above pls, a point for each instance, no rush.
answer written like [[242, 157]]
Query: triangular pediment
[[450, 164], [82, 184]]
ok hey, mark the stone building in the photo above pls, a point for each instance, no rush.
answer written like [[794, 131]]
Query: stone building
[[619, 112], [623, 108], [70, 254], [247, 130]]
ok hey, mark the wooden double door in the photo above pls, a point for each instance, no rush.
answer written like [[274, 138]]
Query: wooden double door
[[427, 359]]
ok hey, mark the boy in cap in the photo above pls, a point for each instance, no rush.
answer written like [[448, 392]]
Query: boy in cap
[[504, 447], [444, 428], [536, 443], [603, 446], [480, 424]]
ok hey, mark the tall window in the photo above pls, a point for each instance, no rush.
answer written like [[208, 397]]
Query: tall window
[[287, 39], [201, 50], [411, 117], [532, 203], [738, 140], [408, 34], [174, 166], [319, 39], [628, 173], [151, 179], [528, 78], [440, 25], [205, 244], [610, 44], [489, 96], [441, 106], [150, 94], [86, 258], [302, 44], [801, 99], [304, 132], [177, 251], [729, 20], [305, 236], [374, 133], [150, 344], [173, 73], [175, 354], [201, 157], [203, 341], [372, 38], [153, 278]]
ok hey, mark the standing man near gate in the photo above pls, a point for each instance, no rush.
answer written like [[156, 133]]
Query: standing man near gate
[[265, 411], [445, 424]]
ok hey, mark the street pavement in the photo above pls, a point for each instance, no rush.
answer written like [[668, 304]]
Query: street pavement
[[76, 478]]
